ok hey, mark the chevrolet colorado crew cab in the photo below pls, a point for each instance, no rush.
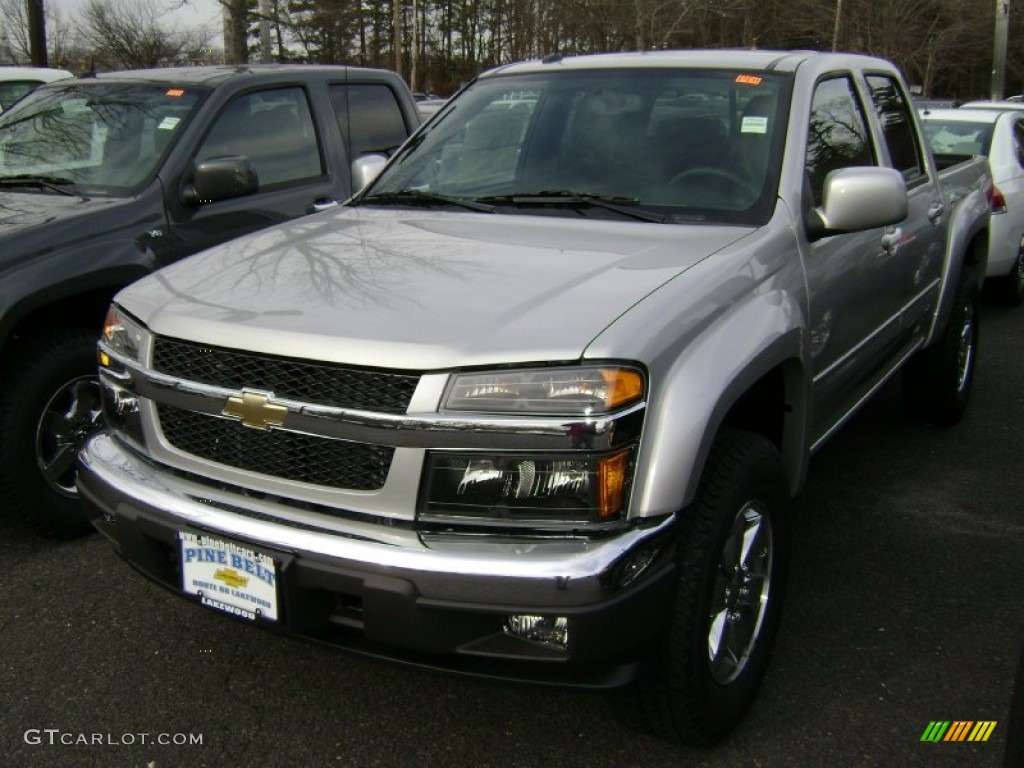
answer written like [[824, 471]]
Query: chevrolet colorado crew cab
[[105, 179], [533, 404]]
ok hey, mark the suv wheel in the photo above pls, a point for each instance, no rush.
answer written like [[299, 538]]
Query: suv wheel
[[731, 558], [50, 405]]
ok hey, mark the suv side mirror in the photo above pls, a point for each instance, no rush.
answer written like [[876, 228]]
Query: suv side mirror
[[365, 169], [221, 178], [856, 199]]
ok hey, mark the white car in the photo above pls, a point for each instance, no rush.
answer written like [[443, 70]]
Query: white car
[[999, 135], [998, 106], [15, 82]]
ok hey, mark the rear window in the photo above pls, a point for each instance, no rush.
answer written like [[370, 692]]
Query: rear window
[[894, 112], [369, 117], [953, 137]]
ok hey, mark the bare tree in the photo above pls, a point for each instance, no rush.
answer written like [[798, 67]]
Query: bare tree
[[15, 43], [944, 45], [131, 34]]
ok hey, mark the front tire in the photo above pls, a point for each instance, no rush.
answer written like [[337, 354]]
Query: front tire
[[731, 558], [49, 405]]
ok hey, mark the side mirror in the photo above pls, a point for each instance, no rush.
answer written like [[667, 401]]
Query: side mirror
[[856, 199], [221, 178], [365, 169]]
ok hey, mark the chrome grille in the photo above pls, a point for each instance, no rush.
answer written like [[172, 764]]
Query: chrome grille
[[310, 382], [289, 455]]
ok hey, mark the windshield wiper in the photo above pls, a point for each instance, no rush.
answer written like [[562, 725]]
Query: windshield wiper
[[53, 183], [570, 199], [417, 196]]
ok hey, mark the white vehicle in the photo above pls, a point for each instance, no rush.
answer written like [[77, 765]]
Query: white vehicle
[[998, 135], [15, 82], [1006, 105]]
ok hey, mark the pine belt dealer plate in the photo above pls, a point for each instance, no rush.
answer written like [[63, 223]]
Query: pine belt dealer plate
[[228, 577]]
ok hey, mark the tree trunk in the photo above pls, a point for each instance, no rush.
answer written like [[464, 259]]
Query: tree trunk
[[37, 33], [396, 33], [236, 49]]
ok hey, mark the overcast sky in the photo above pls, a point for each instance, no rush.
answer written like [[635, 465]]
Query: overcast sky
[[200, 13]]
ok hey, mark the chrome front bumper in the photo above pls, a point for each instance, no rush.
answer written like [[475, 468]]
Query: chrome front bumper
[[352, 581]]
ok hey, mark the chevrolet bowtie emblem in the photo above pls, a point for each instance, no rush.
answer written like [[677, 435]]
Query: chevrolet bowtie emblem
[[255, 410], [231, 577]]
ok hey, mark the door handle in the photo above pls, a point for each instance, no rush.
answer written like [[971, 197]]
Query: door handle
[[891, 240], [935, 211], [323, 204]]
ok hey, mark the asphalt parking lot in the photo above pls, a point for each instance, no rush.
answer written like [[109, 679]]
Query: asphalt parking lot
[[904, 607]]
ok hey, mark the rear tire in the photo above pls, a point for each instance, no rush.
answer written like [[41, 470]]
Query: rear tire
[[49, 405], [937, 380], [731, 558]]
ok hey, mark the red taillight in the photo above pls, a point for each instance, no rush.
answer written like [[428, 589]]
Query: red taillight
[[996, 201]]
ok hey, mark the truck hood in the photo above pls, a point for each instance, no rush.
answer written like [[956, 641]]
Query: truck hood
[[37, 222], [415, 290]]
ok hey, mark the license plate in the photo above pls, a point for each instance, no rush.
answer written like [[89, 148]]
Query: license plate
[[228, 577]]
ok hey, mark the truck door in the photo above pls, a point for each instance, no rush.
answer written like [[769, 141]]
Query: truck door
[[855, 294], [916, 245], [274, 129]]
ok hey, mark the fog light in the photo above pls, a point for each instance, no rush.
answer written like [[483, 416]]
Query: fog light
[[549, 631]]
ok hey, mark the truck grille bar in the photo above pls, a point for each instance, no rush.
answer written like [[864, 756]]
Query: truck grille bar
[[290, 455], [312, 382]]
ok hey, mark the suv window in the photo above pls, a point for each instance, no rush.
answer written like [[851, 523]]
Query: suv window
[[897, 125], [12, 90], [106, 137], [683, 145], [274, 129], [838, 134], [1018, 141], [369, 117]]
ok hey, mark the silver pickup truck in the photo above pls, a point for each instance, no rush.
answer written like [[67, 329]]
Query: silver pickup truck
[[533, 405]]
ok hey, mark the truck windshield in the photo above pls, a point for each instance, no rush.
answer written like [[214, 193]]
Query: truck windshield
[[100, 138], [680, 145]]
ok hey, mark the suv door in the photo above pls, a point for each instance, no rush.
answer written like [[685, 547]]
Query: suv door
[[915, 246], [275, 130], [854, 299]]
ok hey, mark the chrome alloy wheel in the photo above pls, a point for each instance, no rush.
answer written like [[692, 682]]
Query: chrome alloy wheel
[[69, 418], [740, 594], [965, 354]]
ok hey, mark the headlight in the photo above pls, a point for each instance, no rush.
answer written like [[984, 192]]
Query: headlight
[[576, 391], [522, 489], [123, 335]]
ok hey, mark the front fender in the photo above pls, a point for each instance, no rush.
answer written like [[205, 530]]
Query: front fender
[[693, 397]]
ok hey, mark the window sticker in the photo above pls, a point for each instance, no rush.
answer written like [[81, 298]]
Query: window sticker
[[175, 92], [749, 79], [754, 124], [168, 124]]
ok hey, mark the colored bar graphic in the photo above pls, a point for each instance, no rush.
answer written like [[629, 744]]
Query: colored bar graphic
[[935, 731], [982, 730], [959, 730]]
